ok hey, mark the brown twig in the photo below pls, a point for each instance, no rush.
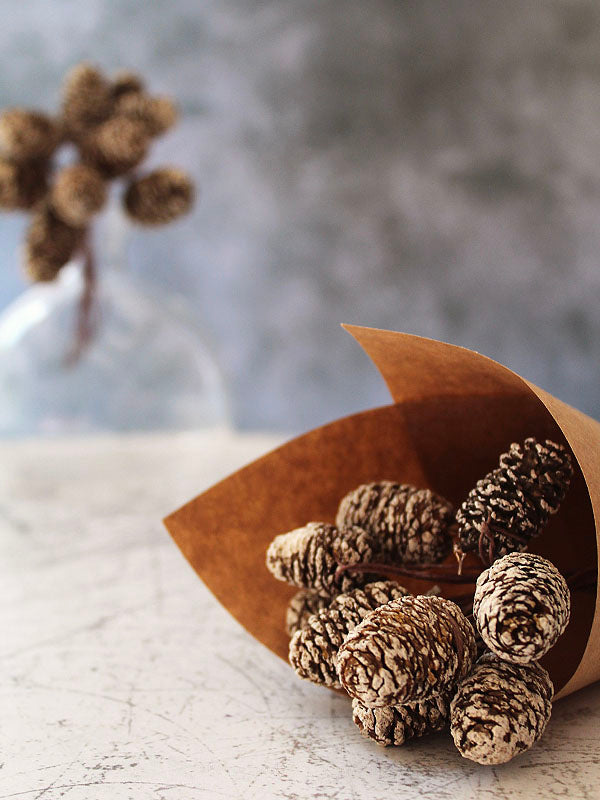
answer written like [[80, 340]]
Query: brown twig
[[434, 573], [86, 327]]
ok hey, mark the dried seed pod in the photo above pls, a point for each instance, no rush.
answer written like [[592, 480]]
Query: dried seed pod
[[394, 725], [512, 504], [49, 244], [87, 100], [412, 525], [78, 193], [126, 82], [159, 197], [116, 146], [411, 649], [313, 648], [27, 135], [156, 114], [309, 556], [22, 185], [521, 607], [500, 710], [302, 606]]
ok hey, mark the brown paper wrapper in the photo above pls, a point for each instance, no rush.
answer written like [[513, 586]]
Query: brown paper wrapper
[[454, 412]]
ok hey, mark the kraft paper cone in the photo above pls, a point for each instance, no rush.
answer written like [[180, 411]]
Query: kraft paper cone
[[454, 412]]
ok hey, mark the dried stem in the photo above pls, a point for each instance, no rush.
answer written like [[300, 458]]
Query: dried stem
[[85, 328]]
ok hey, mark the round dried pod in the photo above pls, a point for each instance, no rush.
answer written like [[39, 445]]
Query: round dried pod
[[411, 525], [313, 648], [394, 725], [116, 146], [513, 503], [87, 100], [302, 606], [156, 114], [27, 135], [22, 185], [78, 193], [500, 710], [309, 556], [159, 197], [521, 606], [49, 244], [410, 649], [125, 82]]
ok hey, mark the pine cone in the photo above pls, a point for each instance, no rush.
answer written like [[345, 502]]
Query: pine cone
[[156, 114], [49, 244], [411, 525], [500, 710], [394, 725], [78, 193], [126, 82], [512, 503], [313, 648], [22, 185], [160, 197], [116, 146], [308, 557], [27, 135], [408, 650], [87, 100], [302, 606], [521, 607]]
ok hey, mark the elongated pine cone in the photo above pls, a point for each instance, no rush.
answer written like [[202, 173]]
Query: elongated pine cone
[[87, 100], [78, 193], [394, 725], [411, 525], [156, 114], [313, 648], [27, 135], [159, 197], [500, 710], [116, 146], [521, 606], [49, 244], [22, 185], [302, 606], [411, 649], [309, 556], [512, 504]]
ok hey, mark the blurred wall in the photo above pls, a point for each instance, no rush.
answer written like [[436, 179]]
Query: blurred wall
[[430, 167]]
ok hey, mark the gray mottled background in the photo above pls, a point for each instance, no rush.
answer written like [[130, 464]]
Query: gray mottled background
[[432, 167]]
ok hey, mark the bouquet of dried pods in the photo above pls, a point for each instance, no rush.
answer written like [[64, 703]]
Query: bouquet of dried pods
[[414, 664], [109, 125]]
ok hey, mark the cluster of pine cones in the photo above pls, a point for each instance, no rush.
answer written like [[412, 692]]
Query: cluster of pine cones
[[413, 664], [110, 125]]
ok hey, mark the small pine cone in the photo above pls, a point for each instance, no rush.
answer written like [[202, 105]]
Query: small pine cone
[[49, 244], [521, 607], [78, 193], [159, 197], [87, 100], [313, 648], [302, 606], [308, 557], [500, 710], [156, 114], [126, 82], [412, 525], [512, 504], [408, 650], [27, 135], [116, 146], [22, 185], [394, 725]]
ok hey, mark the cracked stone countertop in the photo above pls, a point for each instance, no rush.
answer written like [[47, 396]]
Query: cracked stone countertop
[[122, 678]]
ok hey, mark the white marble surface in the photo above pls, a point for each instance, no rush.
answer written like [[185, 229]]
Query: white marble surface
[[122, 678]]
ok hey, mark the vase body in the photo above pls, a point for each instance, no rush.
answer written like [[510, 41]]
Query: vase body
[[146, 368]]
